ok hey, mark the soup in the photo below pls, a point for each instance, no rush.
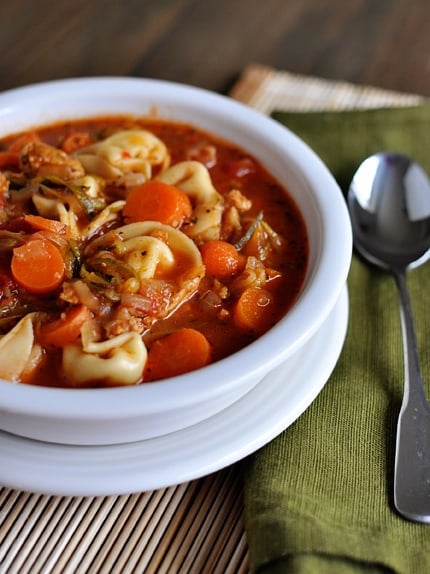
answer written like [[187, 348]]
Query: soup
[[132, 250]]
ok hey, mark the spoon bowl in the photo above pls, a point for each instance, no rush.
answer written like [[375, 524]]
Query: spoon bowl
[[389, 205]]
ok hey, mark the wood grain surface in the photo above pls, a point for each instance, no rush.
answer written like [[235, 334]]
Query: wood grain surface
[[208, 42]]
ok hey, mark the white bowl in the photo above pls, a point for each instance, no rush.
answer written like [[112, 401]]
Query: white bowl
[[125, 414]]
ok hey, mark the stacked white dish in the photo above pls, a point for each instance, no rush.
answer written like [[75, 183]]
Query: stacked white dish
[[106, 441]]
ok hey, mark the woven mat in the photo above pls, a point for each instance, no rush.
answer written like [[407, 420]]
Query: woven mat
[[189, 528]]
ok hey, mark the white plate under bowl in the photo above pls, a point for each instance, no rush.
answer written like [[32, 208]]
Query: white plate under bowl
[[239, 430]]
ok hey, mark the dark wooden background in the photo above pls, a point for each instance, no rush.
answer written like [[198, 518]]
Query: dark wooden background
[[208, 42]]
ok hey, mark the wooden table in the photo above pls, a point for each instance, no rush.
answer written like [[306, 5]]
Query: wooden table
[[198, 526], [208, 42]]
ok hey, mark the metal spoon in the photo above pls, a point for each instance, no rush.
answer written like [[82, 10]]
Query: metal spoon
[[389, 204]]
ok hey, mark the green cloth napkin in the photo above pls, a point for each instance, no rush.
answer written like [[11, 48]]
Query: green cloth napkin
[[343, 139], [319, 498]]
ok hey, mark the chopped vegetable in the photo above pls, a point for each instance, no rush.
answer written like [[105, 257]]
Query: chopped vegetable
[[249, 233], [254, 310], [109, 267], [66, 329], [45, 224], [55, 186], [180, 352], [38, 266], [90, 205], [220, 258], [10, 239], [157, 201]]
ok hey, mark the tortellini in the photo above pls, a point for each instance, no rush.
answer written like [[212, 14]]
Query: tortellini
[[194, 179], [128, 151], [154, 250], [15, 349], [116, 361]]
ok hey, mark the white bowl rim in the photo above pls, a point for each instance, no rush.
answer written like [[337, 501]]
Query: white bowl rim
[[123, 401]]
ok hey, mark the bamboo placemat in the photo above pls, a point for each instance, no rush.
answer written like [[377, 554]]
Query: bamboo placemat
[[189, 528], [267, 89]]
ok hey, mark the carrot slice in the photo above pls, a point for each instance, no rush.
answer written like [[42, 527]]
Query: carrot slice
[[38, 266], [180, 352], [254, 310], [45, 224], [66, 329], [157, 201], [220, 258]]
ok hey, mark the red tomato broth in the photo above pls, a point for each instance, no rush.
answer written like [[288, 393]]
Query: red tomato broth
[[232, 169]]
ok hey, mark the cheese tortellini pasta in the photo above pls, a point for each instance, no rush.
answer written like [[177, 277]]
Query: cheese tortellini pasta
[[116, 361], [16, 348], [194, 179], [128, 151]]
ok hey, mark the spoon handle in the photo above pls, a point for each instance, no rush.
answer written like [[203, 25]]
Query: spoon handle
[[412, 461]]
